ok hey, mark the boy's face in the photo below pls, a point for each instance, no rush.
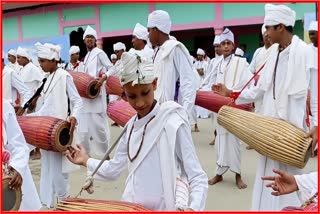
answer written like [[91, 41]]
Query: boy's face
[[141, 96], [11, 58], [22, 60], [227, 48], [313, 36], [47, 65], [275, 33], [75, 56], [200, 57], [114, 61], [217, 49], [153, 36], [119, 53]]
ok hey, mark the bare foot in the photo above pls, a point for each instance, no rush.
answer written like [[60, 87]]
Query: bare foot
[[36, 155], [215, 179], [212, 143], [249, 148], [240, 183], [114, 124]]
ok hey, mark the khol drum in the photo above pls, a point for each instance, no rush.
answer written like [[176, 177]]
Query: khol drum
[[85, 84], [120, 112]]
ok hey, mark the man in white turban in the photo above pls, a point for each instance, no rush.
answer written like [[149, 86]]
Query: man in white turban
[[140, 39], [57, 91], [154, 186], [114, 59], [12, 58], [74, 64], [283, 86], [171, 62], [93, 125], [30, 74], [313, 35]]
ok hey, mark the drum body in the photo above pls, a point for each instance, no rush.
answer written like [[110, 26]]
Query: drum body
[[120, 112], [113, 86], [274, 138], [85, 84], [46, 133], [11, 199], [213, 101], [78, 204]]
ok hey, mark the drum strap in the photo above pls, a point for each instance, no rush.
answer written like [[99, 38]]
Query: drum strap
[[38, 92]]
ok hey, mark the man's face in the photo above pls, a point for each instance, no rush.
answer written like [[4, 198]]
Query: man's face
[[90, 41], [119, 53], [12, 58], [266, 40], [22, 60], [218, 49], [200, 57], [141, 96], [153, 36], [137, 43], [274, 33], [75, 56], [227, 47], [47, 65], [313, 36]]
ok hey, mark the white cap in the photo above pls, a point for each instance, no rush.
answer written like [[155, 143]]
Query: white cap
[[113, 56], [239, 52], [279, 14], [216, 40], [90, 31], [23, 52], [119, 46], [313, 26], [12, 52], [161, 20], [200, 52], [48, 51], [73, 50], [141, 32], [227, 35]]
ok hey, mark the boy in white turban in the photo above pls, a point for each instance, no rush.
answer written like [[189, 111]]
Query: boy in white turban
[[157, 141], [93, 123], [114, 59], [234, 73], [30, 74], [14, 142], [139, 40], [283, 86], [12, 58], [57, 90], [74, 64], [172, 63]]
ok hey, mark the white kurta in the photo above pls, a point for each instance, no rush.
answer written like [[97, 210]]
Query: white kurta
[[13, 84], [15, 143], [77, 67], [234, 73], [15, 66], [54, 102], [307, 185], [93, 126], [314, 88], [146, 183], [201, 112], [291, 84]]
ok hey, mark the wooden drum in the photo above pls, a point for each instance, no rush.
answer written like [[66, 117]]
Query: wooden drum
[[46, 133], [120, 112], [78, 204], [85, 84], [274, 138], [11, 199], [113, 86], [213, 101]]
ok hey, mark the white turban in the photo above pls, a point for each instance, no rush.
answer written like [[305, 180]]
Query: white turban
[[161, 20], [136, 69], [313, 26], [216, 40], [23, 52], [119, 46], [239, 52], [12, 52], [200, 52], [113, 56], [141, 32], [73, 50], [90, 31], [48, 51], [279, 14], [227, 35], [263, 29]]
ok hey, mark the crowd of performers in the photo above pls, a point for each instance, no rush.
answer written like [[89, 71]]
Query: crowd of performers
[[157, 146]]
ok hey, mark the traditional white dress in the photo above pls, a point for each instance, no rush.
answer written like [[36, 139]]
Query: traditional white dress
[[307, 185], [54, 102], [15, 143], [93, 126], [167, 143], [284, 98], [202, 112], [77, 67], [15, 66]]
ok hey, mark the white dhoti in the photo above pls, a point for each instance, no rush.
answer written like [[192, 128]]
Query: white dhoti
[[52, 180], [227, 152], [94, 133]]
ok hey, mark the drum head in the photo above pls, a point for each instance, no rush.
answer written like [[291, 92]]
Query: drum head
[[11, 199]]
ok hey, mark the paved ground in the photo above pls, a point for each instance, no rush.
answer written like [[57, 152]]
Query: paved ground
[[223, 196]]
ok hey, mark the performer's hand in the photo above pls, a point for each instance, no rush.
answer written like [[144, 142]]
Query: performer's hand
[[282, 184], [77, 156], [221, 89], [73, 123], [314, 135], [20, 111], [100, 82], [16, 180]]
